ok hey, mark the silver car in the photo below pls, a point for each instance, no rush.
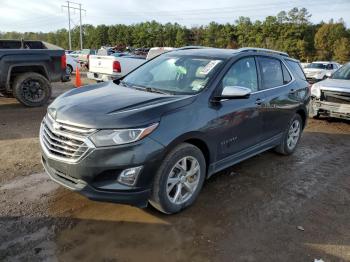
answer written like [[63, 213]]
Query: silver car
[[331, 97]]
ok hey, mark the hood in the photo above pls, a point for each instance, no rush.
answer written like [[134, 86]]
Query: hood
[[108, 105], [335, 85], [313, 70]]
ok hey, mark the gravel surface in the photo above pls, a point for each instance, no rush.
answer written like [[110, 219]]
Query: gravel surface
[[268, 208]]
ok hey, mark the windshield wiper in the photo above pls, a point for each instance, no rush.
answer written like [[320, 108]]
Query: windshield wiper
[[150, 89], [155, 90]]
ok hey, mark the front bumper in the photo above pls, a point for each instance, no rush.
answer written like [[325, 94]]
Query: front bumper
[[95, 175], [330, 109]]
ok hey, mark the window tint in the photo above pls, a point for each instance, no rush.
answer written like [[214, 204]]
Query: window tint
[[242, 73], [296, 69], [286, 76], [271, 72]]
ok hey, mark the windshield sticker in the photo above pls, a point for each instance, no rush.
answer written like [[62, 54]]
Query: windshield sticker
[[198, 84], [206, 70]]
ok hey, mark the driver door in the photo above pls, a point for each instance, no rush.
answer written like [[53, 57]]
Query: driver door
[[240, 120]]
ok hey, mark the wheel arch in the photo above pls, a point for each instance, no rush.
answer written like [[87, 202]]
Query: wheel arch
[[16, 70], [196, 139], [303, 116]]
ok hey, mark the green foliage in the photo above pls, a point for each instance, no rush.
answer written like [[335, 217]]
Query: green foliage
[[289, 31], [342, 50], [326, 37]]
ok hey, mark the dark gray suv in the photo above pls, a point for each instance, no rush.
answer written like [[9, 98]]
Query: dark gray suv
[[156, 134]]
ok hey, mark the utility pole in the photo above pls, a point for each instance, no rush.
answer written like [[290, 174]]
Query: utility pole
[[81, 29], [69, 7]]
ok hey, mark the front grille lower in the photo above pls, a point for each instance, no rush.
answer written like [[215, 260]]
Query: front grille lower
[[335, 97], [64, 141]]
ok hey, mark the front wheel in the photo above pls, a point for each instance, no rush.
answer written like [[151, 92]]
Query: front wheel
[[69, 69], [179, 179], [291, 136]]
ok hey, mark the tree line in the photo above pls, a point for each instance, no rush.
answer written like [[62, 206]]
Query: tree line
[[290, 31]]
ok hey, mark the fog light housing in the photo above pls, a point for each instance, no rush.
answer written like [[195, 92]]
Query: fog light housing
[[129, 176]]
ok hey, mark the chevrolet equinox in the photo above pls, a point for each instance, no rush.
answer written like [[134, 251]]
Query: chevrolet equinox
[[156, 134]]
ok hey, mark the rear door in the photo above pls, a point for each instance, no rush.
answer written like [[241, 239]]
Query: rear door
[[279, 89]]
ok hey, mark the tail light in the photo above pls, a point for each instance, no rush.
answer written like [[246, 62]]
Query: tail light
[[63, 62], [116, 67]]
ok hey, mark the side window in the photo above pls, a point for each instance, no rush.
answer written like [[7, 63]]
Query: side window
[[329, 67], [296, 69], [286, 76], [242, 73], [271, 72]]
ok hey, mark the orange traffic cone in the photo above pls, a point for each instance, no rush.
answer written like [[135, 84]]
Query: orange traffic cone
[[77, 78]]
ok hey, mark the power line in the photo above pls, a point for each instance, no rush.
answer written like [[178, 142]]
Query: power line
[[69, 7]]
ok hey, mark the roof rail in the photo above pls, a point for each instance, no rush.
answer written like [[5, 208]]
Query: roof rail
[[254, 49], [191, 47]]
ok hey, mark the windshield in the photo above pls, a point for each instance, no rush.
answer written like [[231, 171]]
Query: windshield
[[317, 66], [174, 74], [342, 73]]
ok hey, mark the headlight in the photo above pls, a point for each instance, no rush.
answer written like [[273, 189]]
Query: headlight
[[315, 90], [121, 136]]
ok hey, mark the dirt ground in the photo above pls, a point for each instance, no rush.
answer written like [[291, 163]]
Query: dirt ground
[[268, 208]]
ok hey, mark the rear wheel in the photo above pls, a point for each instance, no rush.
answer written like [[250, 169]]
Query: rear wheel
[[31, 89], [291, 136], [179, 179]]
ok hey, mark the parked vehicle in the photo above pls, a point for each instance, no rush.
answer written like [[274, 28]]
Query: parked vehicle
[[75, 54], [72, 64], [304, 65], [331, 97], [28, 67], [84, 55], [105, 68], [156, 134], [320, 70], [118, 64]]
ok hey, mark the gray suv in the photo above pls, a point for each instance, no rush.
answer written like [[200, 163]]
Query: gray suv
[[156, 134]]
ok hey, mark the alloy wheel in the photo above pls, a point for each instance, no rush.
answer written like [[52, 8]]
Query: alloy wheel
[[183, 180], [293, 134]]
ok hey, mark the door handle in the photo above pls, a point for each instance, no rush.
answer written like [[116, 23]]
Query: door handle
[[292, 91], [259, 101]]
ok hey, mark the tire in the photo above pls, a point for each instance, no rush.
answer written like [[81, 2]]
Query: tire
[[286, 147], [168, 202], [31, 89], [69, 69]]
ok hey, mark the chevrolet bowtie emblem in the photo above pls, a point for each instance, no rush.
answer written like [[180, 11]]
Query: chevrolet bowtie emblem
[[56, 126]]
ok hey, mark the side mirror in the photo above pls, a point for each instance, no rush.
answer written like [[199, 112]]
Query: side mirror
[[233, 92]]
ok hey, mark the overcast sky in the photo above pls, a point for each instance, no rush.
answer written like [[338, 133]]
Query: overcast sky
[[48, 15]]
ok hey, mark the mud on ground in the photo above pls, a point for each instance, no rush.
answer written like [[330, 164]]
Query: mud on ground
[[249, 212]]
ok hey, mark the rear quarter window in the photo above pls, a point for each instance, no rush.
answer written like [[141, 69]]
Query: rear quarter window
[[296, 69]]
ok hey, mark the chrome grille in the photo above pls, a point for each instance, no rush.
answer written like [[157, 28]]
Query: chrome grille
[[64, 141]]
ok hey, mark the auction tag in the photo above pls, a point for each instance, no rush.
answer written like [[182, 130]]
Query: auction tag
[[206, 70]]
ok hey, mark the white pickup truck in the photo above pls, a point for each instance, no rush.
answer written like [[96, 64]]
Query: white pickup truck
[[105, 68]]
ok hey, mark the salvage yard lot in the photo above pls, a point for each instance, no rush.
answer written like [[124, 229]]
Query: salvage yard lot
[[249, 212]]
